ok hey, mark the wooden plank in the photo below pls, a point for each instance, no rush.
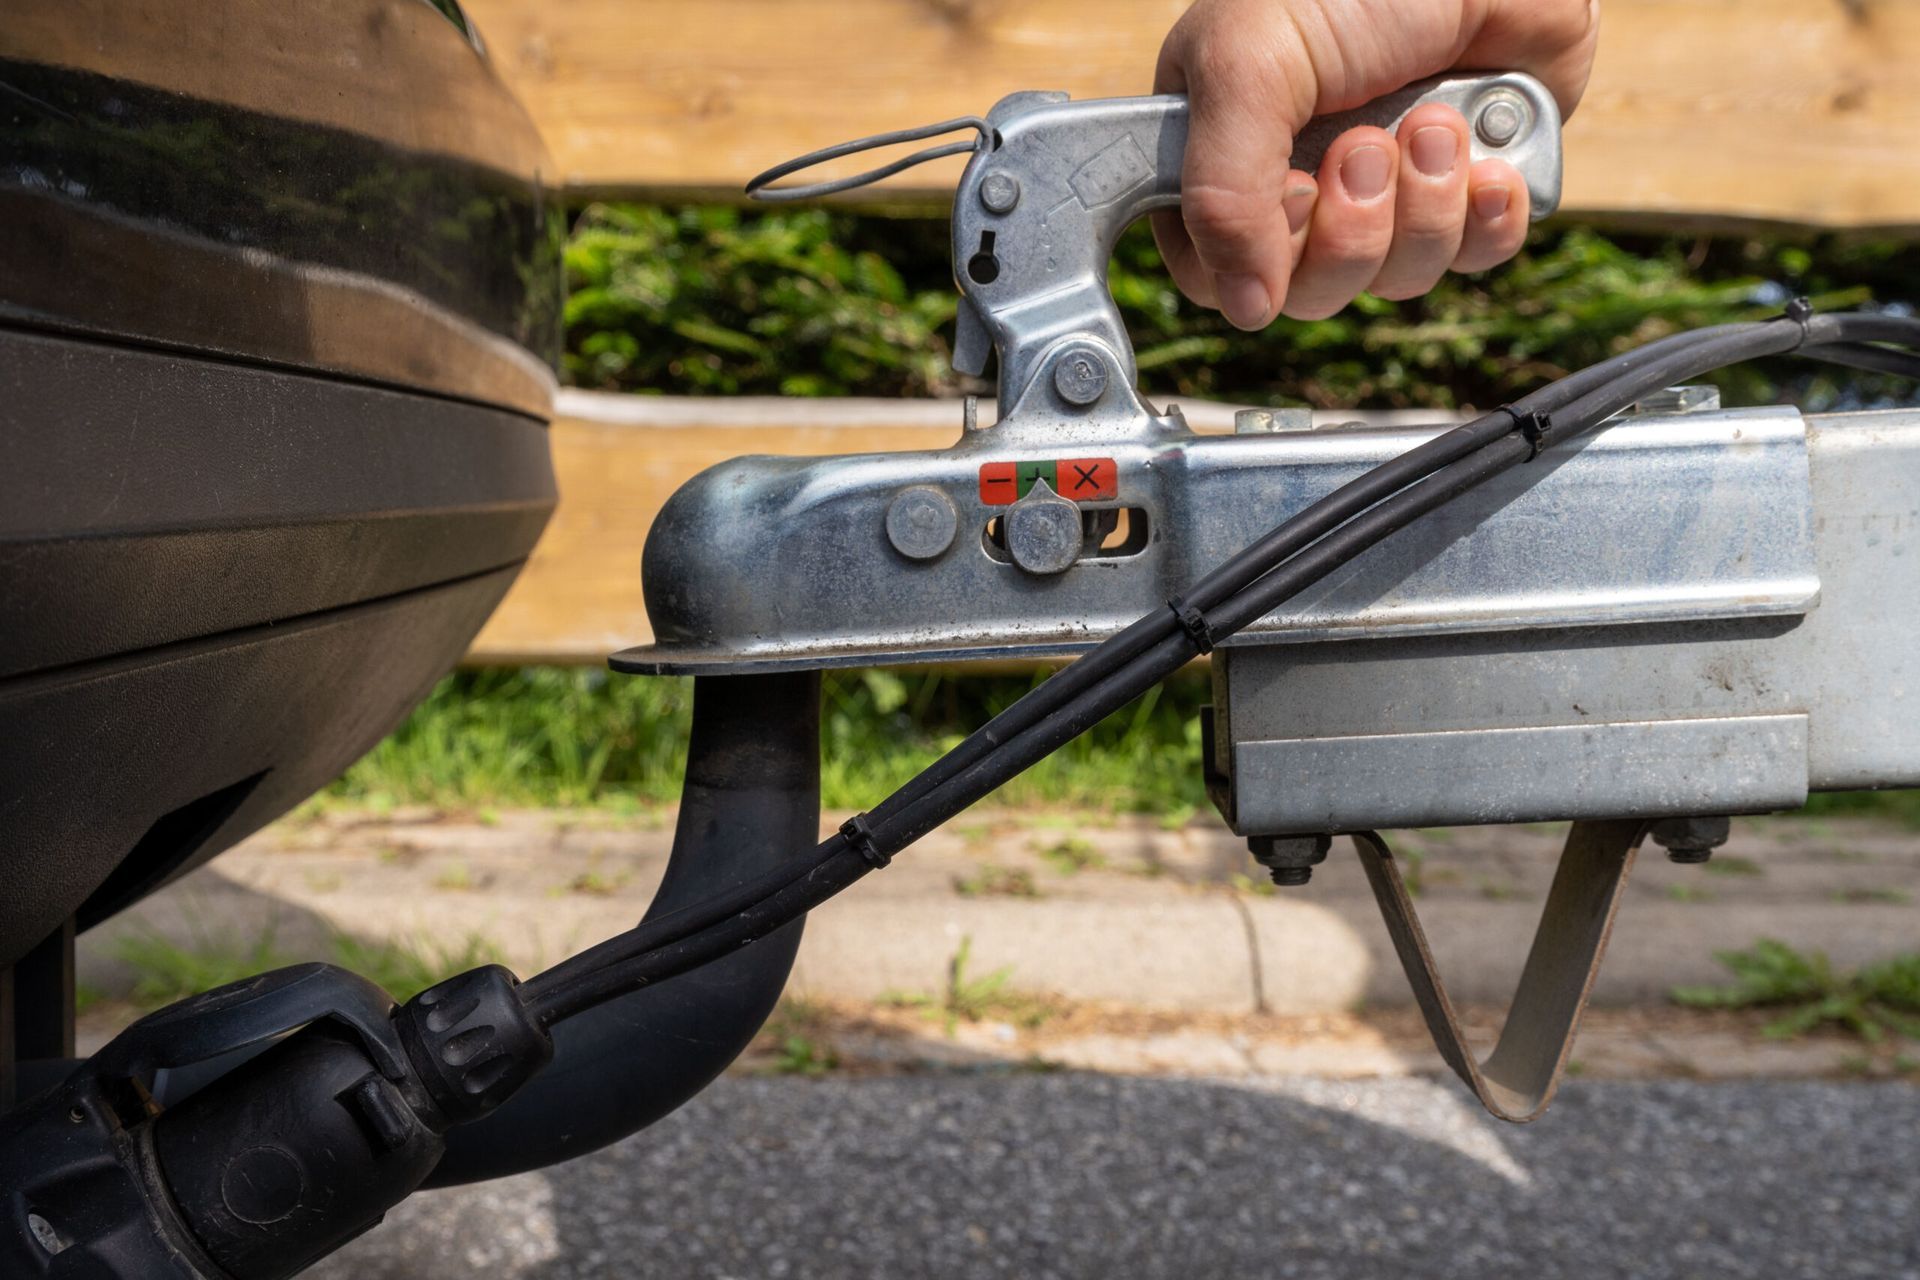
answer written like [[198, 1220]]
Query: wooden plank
[[618, 459], [1803, 111]]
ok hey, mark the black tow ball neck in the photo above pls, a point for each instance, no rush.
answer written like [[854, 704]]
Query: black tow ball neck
[[130, 1168]]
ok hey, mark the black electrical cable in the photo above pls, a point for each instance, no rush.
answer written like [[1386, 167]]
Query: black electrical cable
[[1157, 645], [1860, 355]]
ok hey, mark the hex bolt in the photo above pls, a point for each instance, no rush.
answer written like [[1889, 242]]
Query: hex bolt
[[1000, 192], [1500, 121], [921, 523], [1080, 375], [1043, 530], [1691, 841], [1290, 860]]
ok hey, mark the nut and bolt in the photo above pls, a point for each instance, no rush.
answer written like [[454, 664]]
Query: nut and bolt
[[1043, 531], [1080, 375], [1290, 860], [1000, 192], [921, 523], [1690, 841], [1500, 121]]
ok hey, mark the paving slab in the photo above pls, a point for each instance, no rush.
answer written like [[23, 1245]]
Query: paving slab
[[1082, 908]]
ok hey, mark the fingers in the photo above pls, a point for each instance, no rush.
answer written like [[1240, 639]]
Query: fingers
[[1497, 208], [1231, 245], [1351, 230], [1430, 204]]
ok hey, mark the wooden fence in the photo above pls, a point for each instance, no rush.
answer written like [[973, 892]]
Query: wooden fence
[[1700, 113]]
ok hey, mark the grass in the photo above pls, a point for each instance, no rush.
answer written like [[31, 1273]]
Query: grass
[[1883, 897], [166, 970], [1902, 807], [1871, 1002], [1241, 882], [1073, 855], [563, 738], [553, 737], [455, 878], [597, 884], [993, 881], [974, 998], [796, 1028]]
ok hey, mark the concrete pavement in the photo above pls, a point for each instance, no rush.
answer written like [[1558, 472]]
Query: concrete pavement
[[1122, 911]]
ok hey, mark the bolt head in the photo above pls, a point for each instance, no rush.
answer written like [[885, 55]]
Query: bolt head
[[1043, 531], [1080, 375], [1689, 857], [1499, 122], [1000, 192], [921, 523]]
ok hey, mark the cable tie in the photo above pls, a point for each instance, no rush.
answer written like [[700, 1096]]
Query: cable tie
[[1536, 427], [858, 834], [1800, 311], [1194, 623]]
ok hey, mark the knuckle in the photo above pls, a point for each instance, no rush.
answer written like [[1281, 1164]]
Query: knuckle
[[1429, 221], [1405, 287], [1319, 307], [1220, 217], [1345, 250]]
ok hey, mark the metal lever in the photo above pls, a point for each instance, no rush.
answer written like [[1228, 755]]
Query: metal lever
[[1518, 1079], [1055, 182]]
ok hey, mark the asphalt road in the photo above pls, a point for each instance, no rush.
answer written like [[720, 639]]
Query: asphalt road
[[1084, 1175]]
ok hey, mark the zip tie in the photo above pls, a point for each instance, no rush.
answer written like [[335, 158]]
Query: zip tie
[[1800, 311], [1194, 623], [857, 833], [1534, 426]]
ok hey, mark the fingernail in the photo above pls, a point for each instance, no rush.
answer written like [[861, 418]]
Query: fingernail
[[1298, 206], [1243, 300], [1490, 202], [1364, 173], [1434, 150]]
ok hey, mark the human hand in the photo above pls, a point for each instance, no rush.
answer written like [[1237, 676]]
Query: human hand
[[1388, 213]]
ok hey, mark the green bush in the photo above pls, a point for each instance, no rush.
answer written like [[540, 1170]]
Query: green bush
[[726, 301]]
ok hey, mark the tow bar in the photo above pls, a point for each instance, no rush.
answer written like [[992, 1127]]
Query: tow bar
[[1610, 601]]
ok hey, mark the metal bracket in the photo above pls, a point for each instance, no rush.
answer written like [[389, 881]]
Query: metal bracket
[[1518, 1079]]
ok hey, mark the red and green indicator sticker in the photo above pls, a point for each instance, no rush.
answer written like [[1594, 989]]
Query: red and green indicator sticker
[[1078, 479]]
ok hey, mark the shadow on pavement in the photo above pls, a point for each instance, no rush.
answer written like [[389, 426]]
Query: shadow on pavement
[[1087, 1175]]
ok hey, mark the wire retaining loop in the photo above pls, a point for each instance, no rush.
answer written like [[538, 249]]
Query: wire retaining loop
[[759, 190]]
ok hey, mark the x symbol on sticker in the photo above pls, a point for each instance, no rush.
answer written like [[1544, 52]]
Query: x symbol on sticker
[[1086, 479]]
